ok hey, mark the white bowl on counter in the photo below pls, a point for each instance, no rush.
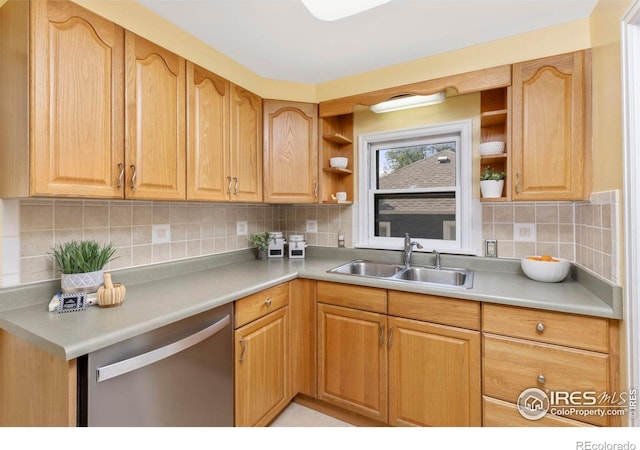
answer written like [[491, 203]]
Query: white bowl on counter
[[546, 271], [492, 148], [338, 162]]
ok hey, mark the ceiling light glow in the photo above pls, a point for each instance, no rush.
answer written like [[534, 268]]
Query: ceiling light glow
[[329, 10], [408, 101]]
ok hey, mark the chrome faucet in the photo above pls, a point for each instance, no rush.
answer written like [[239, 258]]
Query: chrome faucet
[[408, 248], [436, 265]]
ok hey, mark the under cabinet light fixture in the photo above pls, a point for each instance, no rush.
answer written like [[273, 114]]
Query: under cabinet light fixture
[[408, 101], [329, 10]]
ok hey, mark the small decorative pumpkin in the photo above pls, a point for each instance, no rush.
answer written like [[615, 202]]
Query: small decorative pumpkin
[[110, 294]]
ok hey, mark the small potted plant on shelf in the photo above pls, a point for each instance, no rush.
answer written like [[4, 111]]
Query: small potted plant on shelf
[[491, 183], [261, 242], [81, 264]]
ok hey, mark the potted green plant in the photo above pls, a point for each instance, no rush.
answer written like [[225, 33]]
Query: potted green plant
[[491, 183], [81, 264], [261, 242]]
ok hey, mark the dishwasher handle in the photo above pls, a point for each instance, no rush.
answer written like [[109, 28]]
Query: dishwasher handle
[[120, 368]]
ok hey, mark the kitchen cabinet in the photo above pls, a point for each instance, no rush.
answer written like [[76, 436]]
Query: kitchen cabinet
[[262, 368], [434, 361], [36, 389], [208, 151], [555, 352], [100, 109], [337, 140], [244, 183], [550, 151], [155, 143], [63, 101], [352, 359], [397, 368], [290, 167]]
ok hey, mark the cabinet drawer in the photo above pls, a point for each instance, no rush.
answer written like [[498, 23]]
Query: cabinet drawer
[[588, 333], [350, 296], [431, 308], [260, 304], [497, 413], [512, 365]]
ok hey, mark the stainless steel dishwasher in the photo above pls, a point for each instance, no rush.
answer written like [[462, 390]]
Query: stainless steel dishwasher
[[177, 375]]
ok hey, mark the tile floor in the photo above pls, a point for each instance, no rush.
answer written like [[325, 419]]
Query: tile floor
[[296, 415]]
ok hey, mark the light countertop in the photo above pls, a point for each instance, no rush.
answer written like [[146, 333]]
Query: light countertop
[[157, 296]]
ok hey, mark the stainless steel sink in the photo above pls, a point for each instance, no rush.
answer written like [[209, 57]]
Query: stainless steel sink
[[462, 278], [368, 269], [443, 277]]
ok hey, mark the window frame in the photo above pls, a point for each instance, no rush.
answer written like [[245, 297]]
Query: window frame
[[468, 211]]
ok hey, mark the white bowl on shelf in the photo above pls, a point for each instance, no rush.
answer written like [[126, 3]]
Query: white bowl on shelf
[[338, 162], [546, 271], [492, 148]]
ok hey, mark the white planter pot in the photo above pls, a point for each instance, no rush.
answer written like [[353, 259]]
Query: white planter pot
[[491, 188], [81, 282]]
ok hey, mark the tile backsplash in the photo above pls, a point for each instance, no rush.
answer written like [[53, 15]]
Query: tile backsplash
[[196, 229], [585, 232]]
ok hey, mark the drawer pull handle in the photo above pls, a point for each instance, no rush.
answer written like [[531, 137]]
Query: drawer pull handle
[[133, 177], [390, 341], [541, 379], [267, 302], [121, 176], [540, 327]]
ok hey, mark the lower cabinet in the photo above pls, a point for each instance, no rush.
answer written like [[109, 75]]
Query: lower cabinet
[[262, 367], [399, 370], [352, 360], [434, 374]]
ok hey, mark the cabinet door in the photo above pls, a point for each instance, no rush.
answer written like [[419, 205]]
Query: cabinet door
[[352, 360], [155, 117], [262, 369], [434, 375], [77, 99], [548, 148], [207, 135], [246, 146], [290, 152]]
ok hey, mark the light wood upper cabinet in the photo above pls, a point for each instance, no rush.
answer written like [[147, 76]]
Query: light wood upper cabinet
[[290, 152], [63, 101], [208, 156], [245, 182], [550, 149], [155, 120]]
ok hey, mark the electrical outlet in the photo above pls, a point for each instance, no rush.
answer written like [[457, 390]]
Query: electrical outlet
[[312, 226], [242, 228], [524, 232], [491, 248], [161, 234]]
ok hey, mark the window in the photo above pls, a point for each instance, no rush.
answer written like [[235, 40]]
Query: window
[[418, 181]]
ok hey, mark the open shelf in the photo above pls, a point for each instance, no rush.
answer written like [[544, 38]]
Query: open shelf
[[339, 171], [337, 138], [494, 126]]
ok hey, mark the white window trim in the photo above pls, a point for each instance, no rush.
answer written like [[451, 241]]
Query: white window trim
[[631, 142], [469, 237]]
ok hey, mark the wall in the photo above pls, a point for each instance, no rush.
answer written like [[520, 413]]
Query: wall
[[196, 229]]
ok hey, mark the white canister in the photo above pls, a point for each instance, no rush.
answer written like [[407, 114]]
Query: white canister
[[297, 246], [276, 244]]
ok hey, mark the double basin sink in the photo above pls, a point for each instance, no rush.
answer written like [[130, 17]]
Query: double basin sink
[[425, 275]]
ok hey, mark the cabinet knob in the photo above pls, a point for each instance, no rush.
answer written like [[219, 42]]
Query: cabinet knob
[[267, 302], [540, 327], [541, 379]]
